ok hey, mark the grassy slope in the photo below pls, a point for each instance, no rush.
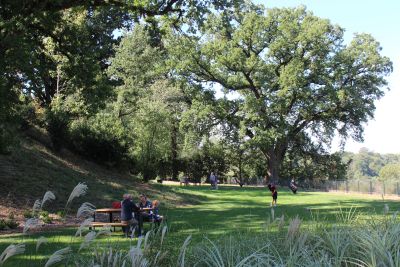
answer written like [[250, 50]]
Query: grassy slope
[[32, 169]]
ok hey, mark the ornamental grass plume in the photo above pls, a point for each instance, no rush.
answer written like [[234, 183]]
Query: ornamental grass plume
[[10, 251], [48, 196], [58, 256], [41, 240], [79, 190], [294, 227], [136, 255], [110, 257], [36, 206], [89, 237], [182, 253], [281, 221], [146, 239], [106, 230], [30, 224], [386, 209], [83, 225], [86, 210], [163, 232]]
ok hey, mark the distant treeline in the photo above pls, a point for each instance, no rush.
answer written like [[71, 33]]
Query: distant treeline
[[369, 165]]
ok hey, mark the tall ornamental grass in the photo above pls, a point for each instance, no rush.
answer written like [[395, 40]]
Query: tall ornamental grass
[[372, 243]]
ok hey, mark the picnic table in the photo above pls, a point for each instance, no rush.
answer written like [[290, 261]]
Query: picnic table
[[111, 222], [110, 211]]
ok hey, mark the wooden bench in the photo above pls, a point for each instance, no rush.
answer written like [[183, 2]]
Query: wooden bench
[[102, 224]]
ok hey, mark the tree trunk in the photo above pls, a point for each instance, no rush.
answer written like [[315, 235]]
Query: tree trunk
[[274, 160], [240, 172], [174, 151], [273, 168]]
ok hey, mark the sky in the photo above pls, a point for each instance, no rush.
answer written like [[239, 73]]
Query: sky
[[381, 19]]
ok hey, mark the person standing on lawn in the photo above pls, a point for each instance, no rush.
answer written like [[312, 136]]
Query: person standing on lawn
[[272, 187], [213, 178], [274, 196]]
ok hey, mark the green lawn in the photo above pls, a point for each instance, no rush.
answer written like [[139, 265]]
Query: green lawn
[[218, 213]]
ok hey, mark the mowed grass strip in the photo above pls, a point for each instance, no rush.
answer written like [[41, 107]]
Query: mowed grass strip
[[229, 210]]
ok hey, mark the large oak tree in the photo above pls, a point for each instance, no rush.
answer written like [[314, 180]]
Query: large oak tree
[[297, 81]]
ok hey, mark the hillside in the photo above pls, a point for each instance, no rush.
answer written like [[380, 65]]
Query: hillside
[[32, 169]]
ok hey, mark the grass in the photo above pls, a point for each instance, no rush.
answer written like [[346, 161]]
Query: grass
[[229, 211], [230, 215]]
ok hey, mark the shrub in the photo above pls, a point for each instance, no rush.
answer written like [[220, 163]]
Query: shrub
[[56, 125], [28, 214], [101, 138], [12, 224], [44, 216], [61, 213], [3, 224]]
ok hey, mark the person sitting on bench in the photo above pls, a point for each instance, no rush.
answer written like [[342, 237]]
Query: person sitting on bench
[[155, 216], [144, 216], [127, 210]]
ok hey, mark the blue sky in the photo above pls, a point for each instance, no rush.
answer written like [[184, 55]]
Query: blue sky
[[382, 20]]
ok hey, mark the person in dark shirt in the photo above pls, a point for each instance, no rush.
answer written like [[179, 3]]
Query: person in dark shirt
[[274, 197], [144, 203], [127, 210], [273, 189]]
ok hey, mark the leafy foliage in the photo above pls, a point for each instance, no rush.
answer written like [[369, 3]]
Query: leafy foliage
[[298, 83], [101, 138], [369, 165]]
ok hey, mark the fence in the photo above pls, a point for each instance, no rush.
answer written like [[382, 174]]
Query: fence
[[364, 186], [360, 186]]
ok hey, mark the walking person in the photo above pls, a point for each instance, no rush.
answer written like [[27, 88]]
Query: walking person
[[212, 180]]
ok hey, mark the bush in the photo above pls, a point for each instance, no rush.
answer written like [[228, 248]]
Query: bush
[[3, 224], [60, 213], [28, 214], [6, 138], [101, 138], [57, 125], [44, 216], [12, 224], [9, 105]]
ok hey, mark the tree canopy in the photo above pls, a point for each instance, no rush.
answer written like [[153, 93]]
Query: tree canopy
[[298, 83], [136, 84]]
